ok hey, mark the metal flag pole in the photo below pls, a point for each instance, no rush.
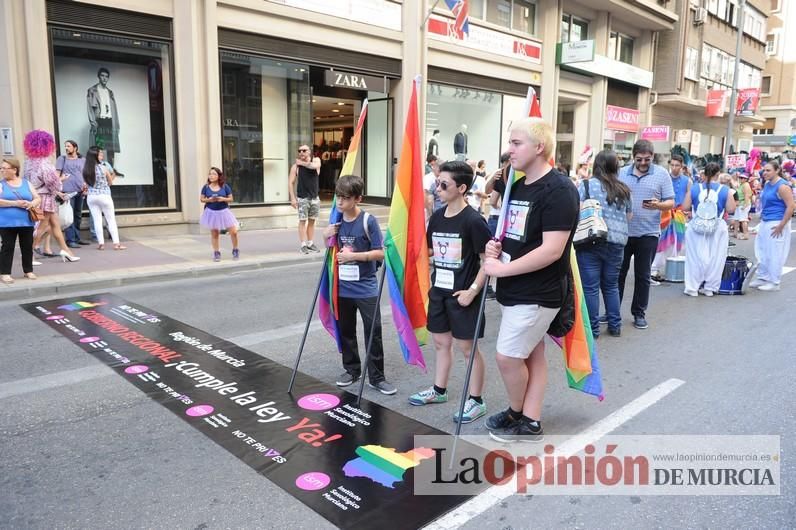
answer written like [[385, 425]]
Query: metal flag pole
[[468, 373], [370, 335], [309, 321]]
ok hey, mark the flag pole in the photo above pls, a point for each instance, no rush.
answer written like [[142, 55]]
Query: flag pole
[[530, 95], [366, 362], [309, 320]]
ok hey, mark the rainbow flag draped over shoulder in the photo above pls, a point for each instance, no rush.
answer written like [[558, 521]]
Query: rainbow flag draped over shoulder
[[578, 346], [405, 247], [327, 296]]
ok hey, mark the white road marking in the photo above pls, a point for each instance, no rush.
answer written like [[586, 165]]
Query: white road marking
[[62, 378], [495, 494]]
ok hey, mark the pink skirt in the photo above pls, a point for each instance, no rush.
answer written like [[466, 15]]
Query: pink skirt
[[48, 204], [218, 219]]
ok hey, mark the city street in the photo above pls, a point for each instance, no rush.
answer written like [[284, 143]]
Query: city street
[[84, 449]]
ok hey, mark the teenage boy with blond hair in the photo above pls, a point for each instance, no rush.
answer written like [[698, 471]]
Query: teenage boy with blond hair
[[531, 266]]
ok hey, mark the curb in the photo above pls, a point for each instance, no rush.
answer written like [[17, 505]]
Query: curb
[[34, 290]]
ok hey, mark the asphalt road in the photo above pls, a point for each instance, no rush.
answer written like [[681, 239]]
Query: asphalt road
[[82, 449]]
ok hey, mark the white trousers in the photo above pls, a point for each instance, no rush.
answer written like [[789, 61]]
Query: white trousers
[[705, 257], [99, 205], [771, 252]]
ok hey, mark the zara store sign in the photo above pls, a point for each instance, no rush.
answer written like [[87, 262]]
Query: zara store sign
[[337, 78]]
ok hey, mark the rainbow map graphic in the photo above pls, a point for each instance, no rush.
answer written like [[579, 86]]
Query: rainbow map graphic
[[80, 305], [383, 465]]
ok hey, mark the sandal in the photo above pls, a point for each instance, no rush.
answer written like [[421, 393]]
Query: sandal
[[119, 247], [6, 279], [100, 247], [30, 276]]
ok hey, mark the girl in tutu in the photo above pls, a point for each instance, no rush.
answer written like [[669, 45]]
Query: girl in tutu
[[216, 195]]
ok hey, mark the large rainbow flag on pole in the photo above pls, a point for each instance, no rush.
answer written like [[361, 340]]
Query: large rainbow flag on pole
[[405, 248], [327, 298], [578, 346]]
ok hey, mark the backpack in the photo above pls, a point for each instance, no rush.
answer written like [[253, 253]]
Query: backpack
[[706, 218], [365, 219], [591, 226]]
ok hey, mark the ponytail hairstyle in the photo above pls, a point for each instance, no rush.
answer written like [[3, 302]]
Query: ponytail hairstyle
[[777, 168], [90, 167], [606, 167], [711, 170]]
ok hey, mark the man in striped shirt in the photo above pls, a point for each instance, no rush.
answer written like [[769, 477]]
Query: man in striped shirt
[[651, 192]]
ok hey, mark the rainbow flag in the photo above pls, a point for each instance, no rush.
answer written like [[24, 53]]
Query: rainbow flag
[[405, 248], [578, 346], [327, 296]]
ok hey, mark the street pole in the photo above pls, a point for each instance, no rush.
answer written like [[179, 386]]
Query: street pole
[[734, 93]]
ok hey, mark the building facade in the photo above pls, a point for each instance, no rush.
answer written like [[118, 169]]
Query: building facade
[[172, 87], [699, 55], [778, 91]]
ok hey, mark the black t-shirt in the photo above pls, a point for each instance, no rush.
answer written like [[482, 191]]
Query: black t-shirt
[[551, 204], [457, 242], [307, 186], [500, 185]]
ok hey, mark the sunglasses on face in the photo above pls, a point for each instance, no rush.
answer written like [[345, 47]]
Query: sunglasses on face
[[303, 150], [643, 160], [445, 185]]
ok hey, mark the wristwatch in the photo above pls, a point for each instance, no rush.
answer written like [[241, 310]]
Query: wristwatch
[[475, 287]]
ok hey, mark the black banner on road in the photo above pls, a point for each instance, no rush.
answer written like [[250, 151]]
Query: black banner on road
[[353, 465]]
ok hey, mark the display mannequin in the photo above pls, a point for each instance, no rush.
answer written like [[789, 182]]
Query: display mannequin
[[460, 143], [433, 144]]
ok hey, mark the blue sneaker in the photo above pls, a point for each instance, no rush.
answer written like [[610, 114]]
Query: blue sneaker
[[426, 397]]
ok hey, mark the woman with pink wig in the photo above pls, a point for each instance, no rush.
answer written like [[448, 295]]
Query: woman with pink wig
[[39, 146]]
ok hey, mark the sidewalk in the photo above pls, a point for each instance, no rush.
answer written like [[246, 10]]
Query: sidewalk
[[155, 254]]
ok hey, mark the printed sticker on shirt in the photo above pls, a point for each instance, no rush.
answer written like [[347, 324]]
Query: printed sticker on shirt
[[447, 250], [443, 279], [516, 218], [349, 273]]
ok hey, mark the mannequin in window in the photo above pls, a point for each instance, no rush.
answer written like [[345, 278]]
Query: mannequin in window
[[460, 143], [433, 144]]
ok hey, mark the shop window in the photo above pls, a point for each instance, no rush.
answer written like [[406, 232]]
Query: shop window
[[465, 118], [620, 47], [573, 29], [263, 125], [125, 87]]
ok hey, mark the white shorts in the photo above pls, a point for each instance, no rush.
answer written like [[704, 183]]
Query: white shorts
[[741, 214], [522, 327]]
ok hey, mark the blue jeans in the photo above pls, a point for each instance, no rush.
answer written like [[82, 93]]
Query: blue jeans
[[492, 222], [72, 232], [599, 270]]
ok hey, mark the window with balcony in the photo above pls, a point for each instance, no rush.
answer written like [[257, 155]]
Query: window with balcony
[[620, 47], [573, 29]]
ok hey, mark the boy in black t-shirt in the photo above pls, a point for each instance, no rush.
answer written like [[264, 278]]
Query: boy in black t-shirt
[[456, 237], [531, 266]]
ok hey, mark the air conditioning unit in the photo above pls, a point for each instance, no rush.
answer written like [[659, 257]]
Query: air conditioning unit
[[700, 15]]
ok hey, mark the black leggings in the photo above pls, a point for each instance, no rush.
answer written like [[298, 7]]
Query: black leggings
[[9, 236]]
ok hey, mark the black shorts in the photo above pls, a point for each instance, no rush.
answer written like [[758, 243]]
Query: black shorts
[[446, 315]]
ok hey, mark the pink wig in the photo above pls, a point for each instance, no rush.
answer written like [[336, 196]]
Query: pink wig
[[789, 167], [39, 144]]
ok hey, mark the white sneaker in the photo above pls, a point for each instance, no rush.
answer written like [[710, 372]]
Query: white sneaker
[[690, 293], [769, 287], [36, 263], [705, 292], [757, 282]]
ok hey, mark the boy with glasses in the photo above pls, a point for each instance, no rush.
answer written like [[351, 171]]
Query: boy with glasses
[[457, 236], [303, 185], [360, 250]]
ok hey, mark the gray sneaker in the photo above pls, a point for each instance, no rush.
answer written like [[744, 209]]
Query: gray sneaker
[[346, 379], [313, 248], [472, 411], [305, 249], [384, 387]]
